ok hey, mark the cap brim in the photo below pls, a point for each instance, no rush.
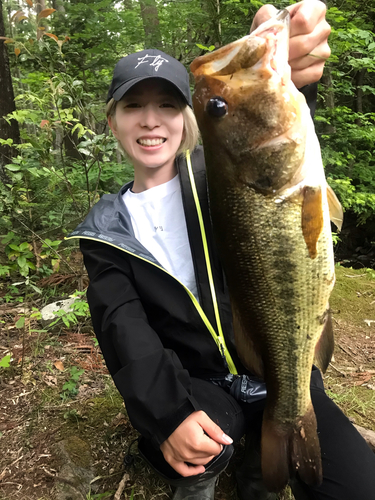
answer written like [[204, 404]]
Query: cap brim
[[121, 91]]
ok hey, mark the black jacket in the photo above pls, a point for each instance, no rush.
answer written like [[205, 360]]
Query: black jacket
[[153, 333]]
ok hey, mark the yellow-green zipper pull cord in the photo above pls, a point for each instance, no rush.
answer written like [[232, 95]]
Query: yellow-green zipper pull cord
[[225, 352]]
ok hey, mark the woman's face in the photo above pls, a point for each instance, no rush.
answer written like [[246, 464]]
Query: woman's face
[[149, 124]]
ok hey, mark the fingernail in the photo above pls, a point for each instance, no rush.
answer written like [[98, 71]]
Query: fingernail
[[227, 439]]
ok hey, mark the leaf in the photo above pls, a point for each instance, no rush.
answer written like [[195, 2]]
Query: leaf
[[29, 3], [46, 13], [21, 18], [59, 365], [7, 39], [5, 361], [21, 322], [44, 123], [19, 12], [17, 51], [12, 168], [21, 261], [36, 289], [25, 246], [51, 35]]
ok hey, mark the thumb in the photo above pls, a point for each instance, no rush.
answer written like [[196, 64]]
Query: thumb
[[213, 430], [263, 14]]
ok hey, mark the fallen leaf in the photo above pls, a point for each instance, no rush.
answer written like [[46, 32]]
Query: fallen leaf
[[50, 380], [59, 365], [369, 321]]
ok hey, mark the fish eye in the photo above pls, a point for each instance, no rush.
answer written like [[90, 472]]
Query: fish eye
[[217, 107]]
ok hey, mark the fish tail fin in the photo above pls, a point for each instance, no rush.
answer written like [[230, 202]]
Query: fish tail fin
[[287, 449]]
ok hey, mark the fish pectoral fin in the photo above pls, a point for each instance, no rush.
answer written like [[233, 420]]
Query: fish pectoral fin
[[324, 347], [287, 449], [336, 213], [245, 347], [312, 218]]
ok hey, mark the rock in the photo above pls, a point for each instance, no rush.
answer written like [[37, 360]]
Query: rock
[[76, 470], [48, 311]]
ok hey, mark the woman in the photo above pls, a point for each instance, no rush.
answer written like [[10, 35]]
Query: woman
[[165, 335]]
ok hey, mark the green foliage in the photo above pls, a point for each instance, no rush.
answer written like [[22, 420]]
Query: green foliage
[[70, 388], [5, 361], [79, 309], [68, 158]]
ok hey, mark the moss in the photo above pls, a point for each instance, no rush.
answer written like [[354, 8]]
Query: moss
[[356, 402], [104, 408], [79, 451], [353, 295]]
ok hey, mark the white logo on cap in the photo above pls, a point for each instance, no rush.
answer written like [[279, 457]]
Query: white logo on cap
[[156, 61]]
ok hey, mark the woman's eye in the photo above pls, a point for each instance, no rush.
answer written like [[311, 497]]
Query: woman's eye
[[217, 107], [132, 105], [167, 105]]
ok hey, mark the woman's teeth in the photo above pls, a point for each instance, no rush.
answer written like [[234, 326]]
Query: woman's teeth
[[150, 142]]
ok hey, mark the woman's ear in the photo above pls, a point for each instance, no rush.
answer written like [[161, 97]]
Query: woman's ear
[[112, 125]]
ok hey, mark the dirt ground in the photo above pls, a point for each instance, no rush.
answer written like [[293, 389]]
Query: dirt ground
[[37, 410]]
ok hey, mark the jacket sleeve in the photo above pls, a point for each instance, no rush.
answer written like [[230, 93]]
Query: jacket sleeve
[[311, 93], [155, 386]]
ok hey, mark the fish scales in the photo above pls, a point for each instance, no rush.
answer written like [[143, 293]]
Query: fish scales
[[270, 215], [286, 295]]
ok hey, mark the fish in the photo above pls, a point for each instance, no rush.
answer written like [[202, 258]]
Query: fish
[[270, 207]]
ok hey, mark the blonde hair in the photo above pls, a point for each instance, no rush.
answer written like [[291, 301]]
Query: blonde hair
[[190, 133]]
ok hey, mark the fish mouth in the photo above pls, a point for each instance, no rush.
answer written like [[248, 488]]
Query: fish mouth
[[265, 50]]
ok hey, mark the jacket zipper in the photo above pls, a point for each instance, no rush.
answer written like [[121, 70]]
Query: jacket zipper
[[219, 339]]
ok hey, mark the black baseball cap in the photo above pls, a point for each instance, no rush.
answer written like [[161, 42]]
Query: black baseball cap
[[150, 63]]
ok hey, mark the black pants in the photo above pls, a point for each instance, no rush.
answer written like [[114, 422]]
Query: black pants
[[348, 462]]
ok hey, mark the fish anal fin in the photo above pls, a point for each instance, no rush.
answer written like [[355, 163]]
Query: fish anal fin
[[305, 449], [336, 213], [312, 218], [276, 466], [290, 449], [324, 347], [245, 347]]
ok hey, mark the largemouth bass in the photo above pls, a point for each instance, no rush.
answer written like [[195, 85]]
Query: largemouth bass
[[270, 212]]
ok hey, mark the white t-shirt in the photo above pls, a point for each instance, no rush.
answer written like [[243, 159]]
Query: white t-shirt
[[158, 221]]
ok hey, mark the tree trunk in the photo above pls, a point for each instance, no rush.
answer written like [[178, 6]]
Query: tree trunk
[[6, 105], [150, 18], [359, 92], [39, 6], [329, 96]]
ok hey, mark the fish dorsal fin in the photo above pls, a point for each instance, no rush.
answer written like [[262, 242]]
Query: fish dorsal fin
[[335, 209], [324, 347]]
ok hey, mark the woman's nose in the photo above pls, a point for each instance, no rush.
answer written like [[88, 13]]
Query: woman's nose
[[150, 117]]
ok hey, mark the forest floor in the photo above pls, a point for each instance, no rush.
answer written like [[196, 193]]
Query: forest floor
[[58, 387]]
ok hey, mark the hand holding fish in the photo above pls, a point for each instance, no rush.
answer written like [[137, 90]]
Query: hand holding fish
[[308, 43], [195, 442]]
